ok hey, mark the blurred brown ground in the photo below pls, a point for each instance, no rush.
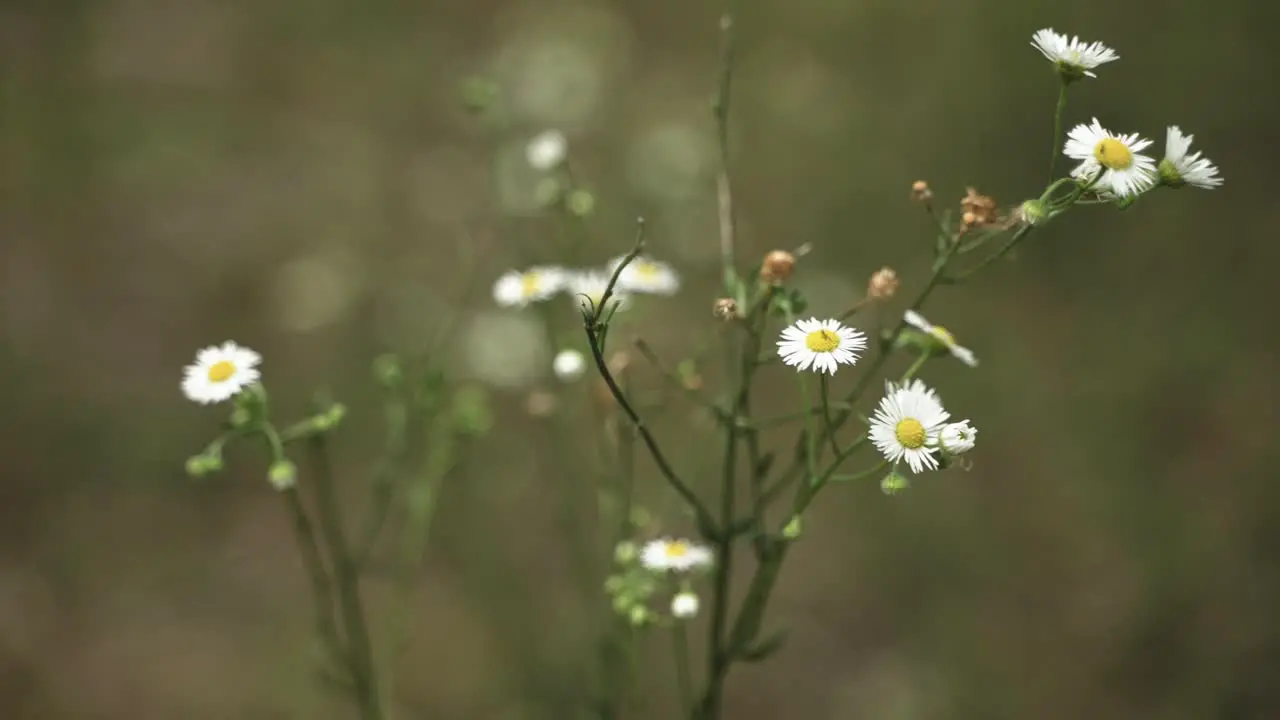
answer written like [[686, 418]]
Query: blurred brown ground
[[302, 178]]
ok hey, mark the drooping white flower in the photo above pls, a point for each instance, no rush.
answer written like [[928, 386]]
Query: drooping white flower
[[907, 424], [1124, 172], [1072, 56], [546, 150], [672, 554], [220, 372], [569, 365], [1178, 168], [957, 438], [646, 275], [684, 605], [587, 288], [822, 345], [939, 333], [517, 289]]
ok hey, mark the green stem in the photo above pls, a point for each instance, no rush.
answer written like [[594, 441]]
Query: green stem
[[684, 675], [321, 587], [359, 649], [1057, 127], [826, 413]]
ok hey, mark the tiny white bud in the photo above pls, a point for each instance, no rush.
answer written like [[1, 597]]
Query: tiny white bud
[[546, 150], [684, 605], [569, 365]]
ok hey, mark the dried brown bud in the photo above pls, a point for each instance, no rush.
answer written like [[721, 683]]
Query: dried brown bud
[[777, 266], [726, 308], [920, 191], [979, 210], [883, 284]]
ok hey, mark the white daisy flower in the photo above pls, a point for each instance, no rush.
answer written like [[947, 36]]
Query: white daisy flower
[[1124, 172], [957, 438], [518, 289], [678, 555], [821, 344], [220, 372], [569, 365], [587, 288], [645, 275], [546, 150], [963, 354], [1178, 168], [1073, 56], [907, 424], [684, 605]]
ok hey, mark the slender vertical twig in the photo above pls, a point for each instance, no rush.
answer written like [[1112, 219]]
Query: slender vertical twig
[[359, 651]]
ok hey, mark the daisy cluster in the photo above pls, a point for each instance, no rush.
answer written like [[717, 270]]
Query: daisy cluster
[[520, 288], [1113, 164], [910, 425], [661, 567]]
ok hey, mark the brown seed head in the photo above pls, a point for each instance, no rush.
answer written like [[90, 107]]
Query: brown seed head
[[726, 308], [920, 191], [979, 210], [777, 266], [883, 284]]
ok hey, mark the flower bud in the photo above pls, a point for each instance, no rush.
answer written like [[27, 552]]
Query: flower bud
[[282, 475], [684, 605], [777, 266], [883, 284], [920, 191], [726, 308], [894, 483]]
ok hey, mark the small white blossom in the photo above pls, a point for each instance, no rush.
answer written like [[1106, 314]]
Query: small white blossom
[[1124, 171], [220, 372], [547, 150], [517, 289], [678, 555], [907, 424], [645, 275], [957, 438], [569, 365], [1178, 168], [963, 354], [822, 345], [1072, 56]]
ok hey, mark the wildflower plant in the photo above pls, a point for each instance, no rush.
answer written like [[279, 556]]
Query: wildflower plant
[[651, 582]]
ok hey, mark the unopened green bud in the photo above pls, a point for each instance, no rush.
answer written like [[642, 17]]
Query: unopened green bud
[[282, 475], [1169, 175], [894, 483], [329, 419], [1033, 212], [792, 530], [626, 553], [639, 615], [204, 464]]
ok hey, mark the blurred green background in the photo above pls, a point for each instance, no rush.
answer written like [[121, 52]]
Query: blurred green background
[[304, 178]]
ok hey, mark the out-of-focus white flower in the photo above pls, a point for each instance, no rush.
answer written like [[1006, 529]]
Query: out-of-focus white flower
[[1073, 56], [569, 365], [678, 555], [547, 150], [822, 345], [945, 338], [1178, 168], [220, 372], [517, 289], [588, 286], [1124, 171], [645, 275], [906, 425]]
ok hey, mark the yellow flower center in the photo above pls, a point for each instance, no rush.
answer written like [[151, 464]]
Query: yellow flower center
[[822, 341], [943, 336], [221, 371], [677, 549], [910, 433], [648, 270], [529, 283], [1111, 153]]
